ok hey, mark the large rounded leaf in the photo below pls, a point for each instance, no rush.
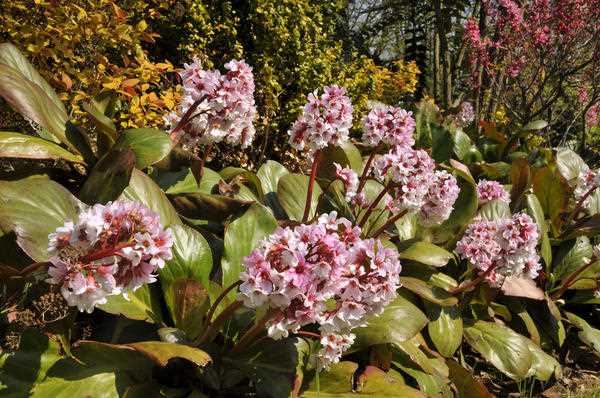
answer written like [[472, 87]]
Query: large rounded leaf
[[269, 175], [445, 328], [161, 352], [183, 181], [534, 208], [241, 237], [570, 165], [466, 385], [425, 253], [465, 206], [587, 334], [428, 292], [33, 208], [505, 349], [553, 193], [109, 177], [15, 145], [142, 189], [149, 145], [570, 256], [142, 305], [400, 321], [292, 190], [346, 155]]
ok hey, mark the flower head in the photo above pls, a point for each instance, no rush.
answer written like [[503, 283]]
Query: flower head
[[112, 248], [225, 106], [325, 120], [321, 273], [465, 115], [439, 200], [388, 124], [488, 191], [507, 245]]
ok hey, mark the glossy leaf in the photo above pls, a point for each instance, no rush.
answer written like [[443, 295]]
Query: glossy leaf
[[201, 206], [143, 304], [15, 145], [241, 237], [142, 189], [494, 210], [33, 208], [465, 206], [534, 208], [346, 155], [552, 192], [161, 352], [109, 177], [570, 165], [425, 253], [570, 256], [183, 181], [505, 349], [430, 293], [445, 328], [466, 385], [149, 145], [400, 321], [519, 179], [291, 192], [587, 334]]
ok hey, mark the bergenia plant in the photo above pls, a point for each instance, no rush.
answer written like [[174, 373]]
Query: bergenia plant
[[411, 252]]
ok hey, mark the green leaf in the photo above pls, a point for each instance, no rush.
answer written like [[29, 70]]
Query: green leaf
[[494, 210], [24, 369], [142, 189], [464, 149], [431, 365], [519, 179], [33, 208], [505, 349], [109, 177], [98, 117], [183, 181], [105, 370], [425, 253], [269, 175], [188, 301], [31, 101], [142, 305], [445, 328], [241, 237], [192, 258], [534, 208], [465, 206], [201, 206], [587, 334], [553, 194], [543, 366], [15, 145], [430, 293], [466, 385], [192, 261], [400, 321], [442, 143], [161, 352], [337, 381], [253, 185], [149, 145], [291, 192], [535, 125], [570, 165], [429, 384], [570, 256], [271, 365], [345, 155]]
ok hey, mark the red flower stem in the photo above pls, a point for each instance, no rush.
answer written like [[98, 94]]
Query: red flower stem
[[254, 331], [389, 222], [373, 205], [365, 173], [220, 298], [571, 280], [202, 162], [579, 205], [473, 282], [308, 334], [213, 327], [111, 251], [311, 185]]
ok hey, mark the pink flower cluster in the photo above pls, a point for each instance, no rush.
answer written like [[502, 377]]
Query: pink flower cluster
[[349, 178], [507, 245], [586, 181], [465, 115], [488, 191], [591, 116], [439, 200], [325, 120], [321, 273], [226, 106], [111, 249], [388, 124]]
